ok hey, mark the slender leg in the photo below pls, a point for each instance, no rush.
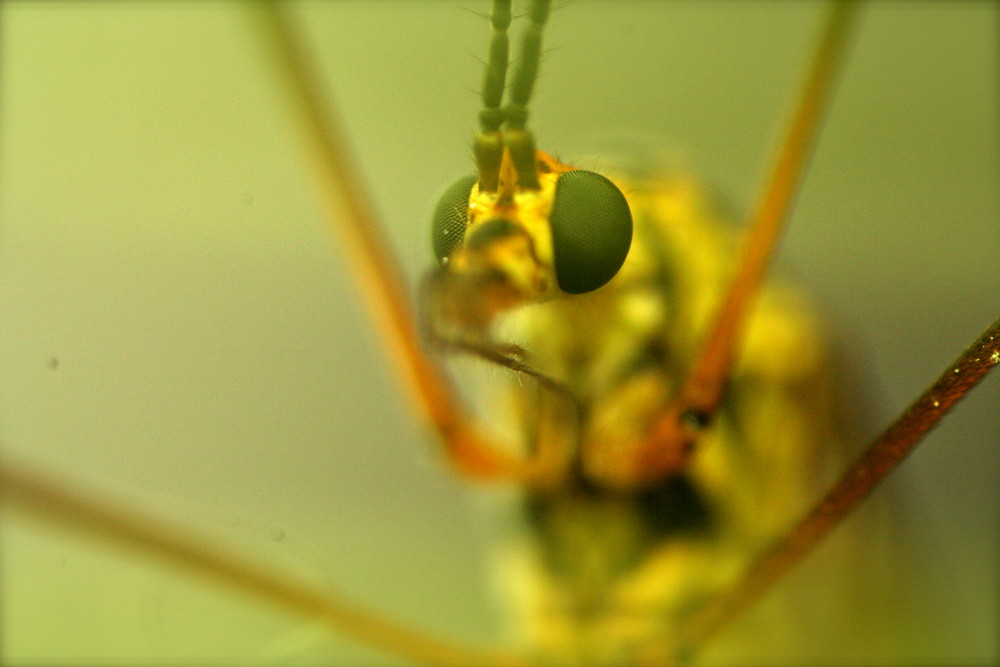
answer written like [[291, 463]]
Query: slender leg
[[880, 459], [673, 436], [57, 501], [466, 444]]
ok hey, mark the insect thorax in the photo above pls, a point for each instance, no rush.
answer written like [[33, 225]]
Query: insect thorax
[[613, 565]]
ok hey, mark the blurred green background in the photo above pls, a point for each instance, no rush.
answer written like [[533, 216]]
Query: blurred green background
[[179, 331]]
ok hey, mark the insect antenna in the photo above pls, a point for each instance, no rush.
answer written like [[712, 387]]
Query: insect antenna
[[490, 142], [518, 137]]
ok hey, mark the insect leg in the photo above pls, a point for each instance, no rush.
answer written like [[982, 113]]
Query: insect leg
[[881, 458], [472, 451], [59, 502], [672, 437]]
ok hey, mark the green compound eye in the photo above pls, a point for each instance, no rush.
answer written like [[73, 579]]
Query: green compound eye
[[451, 217], [591, 231]]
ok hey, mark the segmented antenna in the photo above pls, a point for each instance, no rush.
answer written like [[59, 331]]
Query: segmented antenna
[[491, 141], [519, 139]]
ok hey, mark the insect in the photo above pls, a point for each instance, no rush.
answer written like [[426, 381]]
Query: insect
[[187, 325]]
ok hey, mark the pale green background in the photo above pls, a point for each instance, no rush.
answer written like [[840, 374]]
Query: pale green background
[[161, 239]]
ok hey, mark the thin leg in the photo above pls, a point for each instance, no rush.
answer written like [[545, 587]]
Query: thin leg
[[673, 436], [57, 501], [466, 444], [880, 459]]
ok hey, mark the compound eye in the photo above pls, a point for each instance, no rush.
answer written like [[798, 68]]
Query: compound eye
[[591, 231], [451, 217]]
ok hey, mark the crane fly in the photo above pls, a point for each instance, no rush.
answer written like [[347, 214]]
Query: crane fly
[[177, 331]]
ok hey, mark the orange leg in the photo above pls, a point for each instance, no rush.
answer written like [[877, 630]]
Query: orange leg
[[673, 437], [466, 444]]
